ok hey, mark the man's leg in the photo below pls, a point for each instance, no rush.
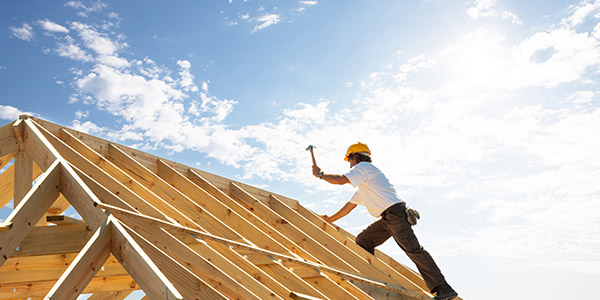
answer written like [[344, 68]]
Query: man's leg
[[373, 236], [396, 222]]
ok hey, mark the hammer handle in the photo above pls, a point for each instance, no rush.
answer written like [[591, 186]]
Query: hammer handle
[[313, 157]]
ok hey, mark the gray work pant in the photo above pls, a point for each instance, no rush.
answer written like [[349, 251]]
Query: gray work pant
[[394, 223]]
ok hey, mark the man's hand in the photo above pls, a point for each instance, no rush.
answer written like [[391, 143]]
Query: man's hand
[[316, 170]]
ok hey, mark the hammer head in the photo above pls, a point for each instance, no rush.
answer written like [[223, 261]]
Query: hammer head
[[310, 147]]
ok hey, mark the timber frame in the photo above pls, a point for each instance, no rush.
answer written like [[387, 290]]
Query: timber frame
[[174, 232]]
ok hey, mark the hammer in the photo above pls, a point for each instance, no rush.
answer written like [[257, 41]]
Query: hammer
[[310, 148]]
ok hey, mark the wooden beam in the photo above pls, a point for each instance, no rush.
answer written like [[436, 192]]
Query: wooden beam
[[100, 177], [28, 269], [168, 194], [260, 223], [118, 182], [139, 265], [59, 206], [7, 183], [23, 175], [42, 240], [6, 226], [30, 210], [61, 220], [275, 278], [7, 186], [37, 147], [81, 197], [226, 214], [110, 296], [299, 296], [87, 263], [283, 258], [189, 284], [4, 160], [8, 141], [294, 233], [207, 264], [38, 289]]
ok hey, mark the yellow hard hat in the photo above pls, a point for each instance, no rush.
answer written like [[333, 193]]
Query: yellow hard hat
[[355, 148]]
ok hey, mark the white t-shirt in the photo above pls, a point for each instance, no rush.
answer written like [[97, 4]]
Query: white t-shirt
[[374, 190]]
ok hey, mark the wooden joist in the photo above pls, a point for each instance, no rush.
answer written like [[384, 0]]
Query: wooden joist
[[173, 231]]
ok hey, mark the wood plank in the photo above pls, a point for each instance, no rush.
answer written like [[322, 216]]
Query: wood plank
[[301, 239], [279, 272], [100, 177], [23, 175], [169, 194], [38, 289], [81, 197], [299, 296], [190, 285], [118, 182], [110, 296], [61, 220], [42, 240], [219, 210], [7, 186], [58, 207], [139, 265], [233, 244], [85, 266], [37, 147], [30, 210], [206, 264], [26, 269], [8, 141], [257, 221], [7, 183], [4, 160]]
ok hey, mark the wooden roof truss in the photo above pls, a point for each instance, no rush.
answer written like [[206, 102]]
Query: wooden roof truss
[[173, 231]]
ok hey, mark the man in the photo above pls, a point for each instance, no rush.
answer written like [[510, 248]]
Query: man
[[380, 197]]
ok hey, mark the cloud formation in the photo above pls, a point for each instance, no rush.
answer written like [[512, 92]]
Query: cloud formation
[[25, 32], [488, 8]]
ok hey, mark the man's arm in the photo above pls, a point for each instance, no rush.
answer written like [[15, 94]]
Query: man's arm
[[331, 178], [346, 209]]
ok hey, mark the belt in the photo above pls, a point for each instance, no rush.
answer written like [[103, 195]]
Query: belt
[[399, 205]]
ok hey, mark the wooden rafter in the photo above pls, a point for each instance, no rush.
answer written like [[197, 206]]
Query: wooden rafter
[[173, 231]]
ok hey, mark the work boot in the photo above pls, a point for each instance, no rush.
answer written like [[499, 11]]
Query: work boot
[[445, 292]]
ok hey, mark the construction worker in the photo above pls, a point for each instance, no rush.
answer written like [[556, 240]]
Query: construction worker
[[380, 197]]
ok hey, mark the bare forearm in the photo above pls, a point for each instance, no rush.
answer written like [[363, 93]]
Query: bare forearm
[[345, 210], [335, 178]]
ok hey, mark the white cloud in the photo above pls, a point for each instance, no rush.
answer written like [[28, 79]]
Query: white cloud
[[25, 32], [579, 13], [488, 8], [308, 3], [96, 41], [73, 52], [572, 54], [266, 21], [85, 10], [52, 27], [8, 112], [87, 127], [187, 79]]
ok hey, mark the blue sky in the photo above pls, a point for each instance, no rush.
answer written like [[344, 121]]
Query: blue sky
[[484, 114]]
